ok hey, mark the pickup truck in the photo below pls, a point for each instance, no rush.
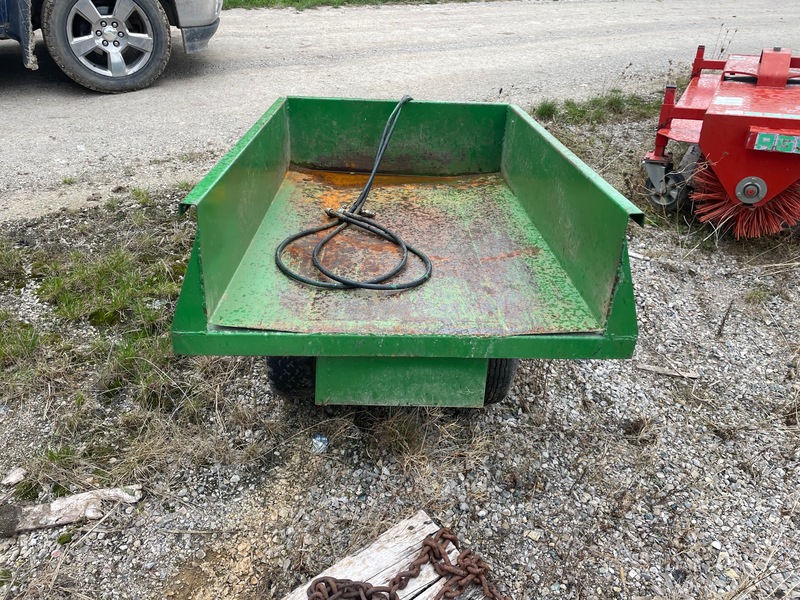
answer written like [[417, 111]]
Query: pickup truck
[[109, 45]]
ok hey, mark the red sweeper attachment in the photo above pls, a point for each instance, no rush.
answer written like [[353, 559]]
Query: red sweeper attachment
[[741, 117]]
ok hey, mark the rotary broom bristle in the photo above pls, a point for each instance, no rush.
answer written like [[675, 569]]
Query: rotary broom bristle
[[713, 204]]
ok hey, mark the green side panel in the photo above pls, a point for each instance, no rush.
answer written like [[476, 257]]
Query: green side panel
[[580, 216], [380, 381], [234, 197], [192, 335], [621, 324], [190, 322], [431, 138]]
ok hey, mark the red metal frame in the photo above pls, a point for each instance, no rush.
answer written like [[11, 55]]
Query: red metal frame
[[726, 104]]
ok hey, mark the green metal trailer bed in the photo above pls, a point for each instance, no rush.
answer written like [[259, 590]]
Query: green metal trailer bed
[[527, 245]]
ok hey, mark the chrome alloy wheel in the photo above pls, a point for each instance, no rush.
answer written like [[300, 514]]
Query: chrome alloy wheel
[[110, 37]]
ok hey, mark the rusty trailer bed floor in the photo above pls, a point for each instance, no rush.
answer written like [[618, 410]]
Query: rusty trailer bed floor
[[493, 274]]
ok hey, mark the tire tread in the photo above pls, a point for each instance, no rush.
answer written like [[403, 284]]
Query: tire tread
[[499, 379], [292, 376]]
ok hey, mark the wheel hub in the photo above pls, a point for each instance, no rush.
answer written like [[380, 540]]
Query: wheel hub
[[110, 33], [751, 190], [669, 193]]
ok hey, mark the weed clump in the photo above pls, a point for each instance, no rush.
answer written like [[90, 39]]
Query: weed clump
[[19, 341], [547, 110], [611, 106], [124, 285], [12, 264], [757, 295]]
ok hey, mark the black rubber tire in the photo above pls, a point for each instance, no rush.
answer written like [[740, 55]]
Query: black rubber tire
[[295, 377], [292, 376], [678, 182], [55, 14], [499, 379]]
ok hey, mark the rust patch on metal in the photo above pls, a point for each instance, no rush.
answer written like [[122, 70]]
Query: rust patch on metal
[[490, 275], [354, 181], [352, 254], [532, 251]]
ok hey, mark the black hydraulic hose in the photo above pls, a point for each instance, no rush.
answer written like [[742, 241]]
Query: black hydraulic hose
[[352, 216]]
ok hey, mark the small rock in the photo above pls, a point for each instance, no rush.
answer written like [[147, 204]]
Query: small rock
[[14, 476], [534, 534]]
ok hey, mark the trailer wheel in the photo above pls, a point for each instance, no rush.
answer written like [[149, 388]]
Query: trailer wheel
[[499, 379], [108, 46], [672, 197], [292, 376]]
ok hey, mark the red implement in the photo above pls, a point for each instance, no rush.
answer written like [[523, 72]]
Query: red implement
[[742, 116]]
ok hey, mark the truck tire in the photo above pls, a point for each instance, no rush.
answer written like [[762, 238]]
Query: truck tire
[[292, 376], [499, 379], [108, 46]]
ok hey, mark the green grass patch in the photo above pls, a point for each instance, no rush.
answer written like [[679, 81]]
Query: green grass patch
[[142, 196], [69, 180], [135, 409], [121, 286], [12, 263], [127, 292], [62, 456], [139, 365], [27, 490], [614, 105], [19, 341], [60, 491], [757, 295], [303, 4], [546, 110], [64, 539]]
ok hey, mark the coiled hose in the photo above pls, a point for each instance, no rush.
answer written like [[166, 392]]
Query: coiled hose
[[353, 217]]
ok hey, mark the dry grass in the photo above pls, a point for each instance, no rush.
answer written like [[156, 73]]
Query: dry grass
[[94, 357], [12, 264], [613, 105]]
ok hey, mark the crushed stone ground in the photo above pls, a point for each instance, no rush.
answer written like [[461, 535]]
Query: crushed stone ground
[[594, 479]]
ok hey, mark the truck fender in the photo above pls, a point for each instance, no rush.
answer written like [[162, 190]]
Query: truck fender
[[19, 26]]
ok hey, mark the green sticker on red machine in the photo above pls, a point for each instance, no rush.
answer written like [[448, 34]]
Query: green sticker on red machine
[[770, 141]]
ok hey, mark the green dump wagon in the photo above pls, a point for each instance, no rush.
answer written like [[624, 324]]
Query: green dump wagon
[[527, 245]]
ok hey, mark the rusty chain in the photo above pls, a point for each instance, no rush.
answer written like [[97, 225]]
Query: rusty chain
[[468, 570]]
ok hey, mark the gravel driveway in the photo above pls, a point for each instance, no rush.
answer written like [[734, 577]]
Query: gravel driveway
[[54, 131]]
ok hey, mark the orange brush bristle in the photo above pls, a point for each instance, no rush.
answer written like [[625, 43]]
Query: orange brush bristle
[[713, 204]]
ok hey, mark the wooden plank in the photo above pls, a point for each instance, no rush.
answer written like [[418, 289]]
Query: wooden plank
[[391, 553], [70, 509], [473, 593]]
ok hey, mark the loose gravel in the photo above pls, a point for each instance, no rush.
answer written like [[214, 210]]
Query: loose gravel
[[594, 479]]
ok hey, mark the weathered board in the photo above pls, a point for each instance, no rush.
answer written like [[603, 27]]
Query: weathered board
[[389, 554]]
